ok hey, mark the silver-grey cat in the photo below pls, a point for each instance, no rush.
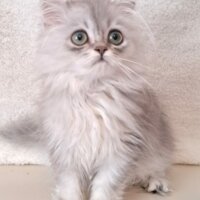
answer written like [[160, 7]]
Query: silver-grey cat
[[102, 123]]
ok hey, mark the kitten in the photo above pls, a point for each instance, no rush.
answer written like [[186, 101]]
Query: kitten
[[101, 121]]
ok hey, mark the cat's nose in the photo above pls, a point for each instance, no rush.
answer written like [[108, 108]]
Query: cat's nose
[[101, 49]]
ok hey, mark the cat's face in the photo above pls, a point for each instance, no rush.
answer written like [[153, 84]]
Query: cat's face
[[91, 38]]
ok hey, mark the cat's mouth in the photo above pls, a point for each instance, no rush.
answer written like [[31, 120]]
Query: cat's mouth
[[101, 63], [101, 60]]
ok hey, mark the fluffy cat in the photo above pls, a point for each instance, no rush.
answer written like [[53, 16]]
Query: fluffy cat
[[101, 120]]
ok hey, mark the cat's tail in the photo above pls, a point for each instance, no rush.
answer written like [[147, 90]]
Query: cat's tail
[[24, 132]]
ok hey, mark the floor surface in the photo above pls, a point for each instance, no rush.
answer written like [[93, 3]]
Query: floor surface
[[35, 183]]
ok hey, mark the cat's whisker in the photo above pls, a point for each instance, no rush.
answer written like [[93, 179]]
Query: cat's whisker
[[122, 68], [138, 75], [125, 67], [134, 62]]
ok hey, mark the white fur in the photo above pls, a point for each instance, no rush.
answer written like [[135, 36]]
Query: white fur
[[101, 121]]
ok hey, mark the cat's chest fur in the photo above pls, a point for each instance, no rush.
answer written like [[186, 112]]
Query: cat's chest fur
[[90, 125]]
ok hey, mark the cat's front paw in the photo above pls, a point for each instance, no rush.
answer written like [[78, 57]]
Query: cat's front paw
[[159, 186]]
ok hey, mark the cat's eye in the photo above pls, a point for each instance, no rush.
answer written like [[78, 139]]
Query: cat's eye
[[79, 38], [115, 37]]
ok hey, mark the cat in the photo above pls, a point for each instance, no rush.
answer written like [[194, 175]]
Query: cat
[[101, 121]]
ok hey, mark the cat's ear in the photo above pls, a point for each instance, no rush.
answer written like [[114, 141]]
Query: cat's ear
[[53, 12], [129, 3]]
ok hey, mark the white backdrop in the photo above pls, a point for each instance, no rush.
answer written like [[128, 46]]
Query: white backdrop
[[176, 26]]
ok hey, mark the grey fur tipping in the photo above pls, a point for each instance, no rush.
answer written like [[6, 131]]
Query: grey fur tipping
[[24, 131]]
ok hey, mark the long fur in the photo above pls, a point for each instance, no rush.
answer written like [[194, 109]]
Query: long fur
[[101, 120]]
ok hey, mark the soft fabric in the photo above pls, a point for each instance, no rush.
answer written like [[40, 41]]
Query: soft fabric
[[176, 79]]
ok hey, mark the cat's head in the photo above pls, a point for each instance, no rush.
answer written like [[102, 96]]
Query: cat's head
[[91, 38]]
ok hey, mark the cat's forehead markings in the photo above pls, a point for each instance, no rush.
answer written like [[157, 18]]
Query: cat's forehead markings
[[98, 23], [85, 24], [98, 38]]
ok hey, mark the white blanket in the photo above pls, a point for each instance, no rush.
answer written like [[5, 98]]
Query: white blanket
[[176, 26]]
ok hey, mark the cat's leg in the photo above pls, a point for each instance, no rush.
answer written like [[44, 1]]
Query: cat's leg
[[68, 186], [151, 175], [156, 183], [110, 181]]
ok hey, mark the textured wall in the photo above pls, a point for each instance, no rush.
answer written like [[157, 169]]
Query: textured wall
[[176, 26]]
